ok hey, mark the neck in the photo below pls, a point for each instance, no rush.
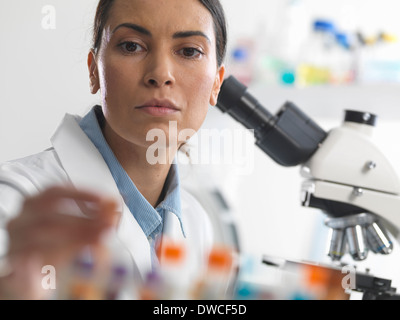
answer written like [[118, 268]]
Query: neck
[[148, 178]]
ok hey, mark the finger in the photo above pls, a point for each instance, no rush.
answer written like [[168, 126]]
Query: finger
[[58, 200], [51, 199], [24, 282], [25, 229], [29, 226], [56, 241], [34, 220], [108, 212], [105, 208], [43, 227]]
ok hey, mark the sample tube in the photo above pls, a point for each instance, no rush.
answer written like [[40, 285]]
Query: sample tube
[[116, 282]]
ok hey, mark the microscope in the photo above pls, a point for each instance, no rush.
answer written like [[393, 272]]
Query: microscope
[[345, 175]]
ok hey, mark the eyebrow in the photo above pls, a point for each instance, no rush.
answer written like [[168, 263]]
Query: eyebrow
[[176, 35], [187, 34], [133, 27]]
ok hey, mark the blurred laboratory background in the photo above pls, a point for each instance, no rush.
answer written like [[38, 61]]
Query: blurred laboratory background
[[326, 56]]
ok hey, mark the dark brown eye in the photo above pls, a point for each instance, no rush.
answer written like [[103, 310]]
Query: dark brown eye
[[190, 52], [130, 47]]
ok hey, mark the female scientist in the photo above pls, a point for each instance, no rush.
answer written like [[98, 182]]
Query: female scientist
[[156, 64]]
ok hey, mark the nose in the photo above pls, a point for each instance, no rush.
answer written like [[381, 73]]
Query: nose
[[160, 71]]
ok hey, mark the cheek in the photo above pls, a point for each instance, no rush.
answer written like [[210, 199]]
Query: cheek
[[198, 92], [199, 99], [113, 81], [107, 79]]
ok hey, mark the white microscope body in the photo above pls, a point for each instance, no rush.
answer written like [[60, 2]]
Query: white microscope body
[[349, 168], [345, 175]]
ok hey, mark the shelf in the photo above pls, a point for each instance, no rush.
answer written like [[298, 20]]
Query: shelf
[[330, 101]]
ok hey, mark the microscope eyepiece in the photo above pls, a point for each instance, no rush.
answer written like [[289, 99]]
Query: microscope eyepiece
[[289, 138], [360, 117], [243, 107]]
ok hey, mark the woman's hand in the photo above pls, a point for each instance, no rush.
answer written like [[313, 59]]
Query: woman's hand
[[43, 234]]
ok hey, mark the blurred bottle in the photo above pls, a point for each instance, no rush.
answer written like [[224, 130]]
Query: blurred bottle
[[280, 47], [120, 275], [152, 288], [379, 59], [324, 283], [174, 276], [215, 283], [313, 282], [292, 284], [82, 280], [240, 62], [170, 280], [257, 280], [117, 278], [316, 281], [103, 272], [317, 59], [343, 63]]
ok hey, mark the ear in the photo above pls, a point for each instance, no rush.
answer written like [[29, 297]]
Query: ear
[[219, 78], [93, 72]]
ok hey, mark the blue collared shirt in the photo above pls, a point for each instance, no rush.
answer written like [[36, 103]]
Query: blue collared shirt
[[149, 218]]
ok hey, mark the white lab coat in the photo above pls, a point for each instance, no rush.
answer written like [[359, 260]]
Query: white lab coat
[[74, 158]]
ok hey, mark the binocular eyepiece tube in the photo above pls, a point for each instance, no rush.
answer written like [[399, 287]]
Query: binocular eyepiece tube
[[289, 138]]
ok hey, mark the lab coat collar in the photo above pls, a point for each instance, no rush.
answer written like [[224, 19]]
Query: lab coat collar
[[172, 200]]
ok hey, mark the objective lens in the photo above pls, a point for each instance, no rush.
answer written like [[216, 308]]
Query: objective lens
[[336, 244], [377, 240], [356, 240]]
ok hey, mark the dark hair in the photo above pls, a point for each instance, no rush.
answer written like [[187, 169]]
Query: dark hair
[[213, 6]]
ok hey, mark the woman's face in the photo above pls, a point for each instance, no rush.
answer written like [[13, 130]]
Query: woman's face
[[157, 63]]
